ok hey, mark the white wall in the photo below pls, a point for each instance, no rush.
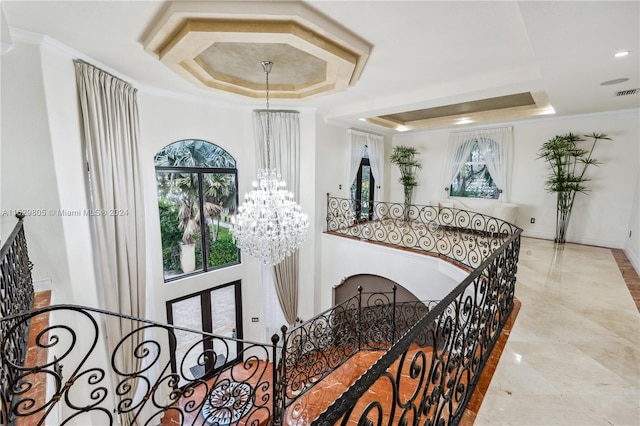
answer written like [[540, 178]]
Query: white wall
[[331, 150], [71, 176], [308, 254], [44, 167], [332, 169], [427, 277], [601, 217]]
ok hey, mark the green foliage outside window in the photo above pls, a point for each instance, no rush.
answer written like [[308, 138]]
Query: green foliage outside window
[[223, 250], [197, 193], [474, 179], [171, 235]]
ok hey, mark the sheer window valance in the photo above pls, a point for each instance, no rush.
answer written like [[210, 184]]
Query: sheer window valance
[[496, 145]]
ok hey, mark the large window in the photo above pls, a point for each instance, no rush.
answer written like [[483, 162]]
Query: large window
[[216, 311], [197, 195], [362, 189], [474, 179]]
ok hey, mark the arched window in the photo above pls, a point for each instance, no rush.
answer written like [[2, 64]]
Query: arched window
[[197, 194]]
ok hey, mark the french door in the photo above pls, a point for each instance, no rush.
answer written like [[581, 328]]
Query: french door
[[362, 191], [216, 311]]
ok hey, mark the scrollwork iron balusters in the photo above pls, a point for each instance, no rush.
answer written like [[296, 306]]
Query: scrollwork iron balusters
[[16, 296], [463, 236], [317, 347], [84, 385], [432, 369]]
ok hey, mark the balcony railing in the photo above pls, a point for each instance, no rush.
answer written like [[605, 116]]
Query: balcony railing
[[16, 296], [431, 353], [461, 236], [430, 381], [367, 321], [86, 383]]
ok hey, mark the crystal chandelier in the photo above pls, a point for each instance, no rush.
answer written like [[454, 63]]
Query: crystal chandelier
[[269, 225]]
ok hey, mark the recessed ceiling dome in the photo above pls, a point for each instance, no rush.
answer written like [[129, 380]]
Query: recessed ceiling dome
[[220, 45]]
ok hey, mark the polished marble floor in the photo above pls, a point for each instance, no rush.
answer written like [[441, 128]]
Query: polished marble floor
[[573, 355]]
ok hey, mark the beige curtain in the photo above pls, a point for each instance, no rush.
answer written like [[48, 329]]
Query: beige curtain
[[110, 121], [285, 155]]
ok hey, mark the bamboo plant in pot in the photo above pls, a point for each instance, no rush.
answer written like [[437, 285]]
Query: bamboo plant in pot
[[405, 158], [568, 163]]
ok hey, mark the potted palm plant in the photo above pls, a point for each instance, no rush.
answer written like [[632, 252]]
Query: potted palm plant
[[568, 163], [405, 158]]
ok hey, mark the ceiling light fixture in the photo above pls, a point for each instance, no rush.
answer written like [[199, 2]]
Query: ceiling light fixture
[[548, 110], [621, 54], [464, 120], [269, 225]]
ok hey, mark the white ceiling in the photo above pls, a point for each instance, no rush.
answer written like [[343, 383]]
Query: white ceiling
[[425, 53]]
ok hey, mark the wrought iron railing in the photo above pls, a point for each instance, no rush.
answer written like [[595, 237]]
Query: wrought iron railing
[[16, 296], [16, 285], [431, 353], [230, 383], [464, 237], [319, 346], [429, 374]]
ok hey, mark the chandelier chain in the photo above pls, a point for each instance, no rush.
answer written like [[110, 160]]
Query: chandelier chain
[[267, 69]]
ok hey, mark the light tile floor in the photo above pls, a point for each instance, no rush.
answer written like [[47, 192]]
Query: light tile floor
[[573, 356]]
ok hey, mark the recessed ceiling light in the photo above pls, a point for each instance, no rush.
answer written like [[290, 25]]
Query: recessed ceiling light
[[621, 54], [464, 120], [614, 81]]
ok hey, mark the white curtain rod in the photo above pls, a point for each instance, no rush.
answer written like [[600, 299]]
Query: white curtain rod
[[364, 133], [475, 129], [276, 110]]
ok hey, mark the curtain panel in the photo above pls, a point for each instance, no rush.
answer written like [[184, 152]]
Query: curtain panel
[[284, 154], [375, 146], [496, 145], [111, 136]]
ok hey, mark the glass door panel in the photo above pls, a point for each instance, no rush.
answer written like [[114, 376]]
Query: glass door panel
[[223, 320], [362, 192], [187, 313], [216, 311]]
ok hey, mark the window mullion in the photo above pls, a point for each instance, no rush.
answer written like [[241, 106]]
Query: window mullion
[[203, 225]]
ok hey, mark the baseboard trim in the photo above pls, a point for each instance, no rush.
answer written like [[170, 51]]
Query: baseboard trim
[[633, 259]]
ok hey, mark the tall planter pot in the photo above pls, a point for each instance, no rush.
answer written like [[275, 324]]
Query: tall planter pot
[[563, 214], [408, 195], [188, 257]]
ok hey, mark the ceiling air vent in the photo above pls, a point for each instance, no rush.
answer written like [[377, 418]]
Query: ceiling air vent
[[627, 92]]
